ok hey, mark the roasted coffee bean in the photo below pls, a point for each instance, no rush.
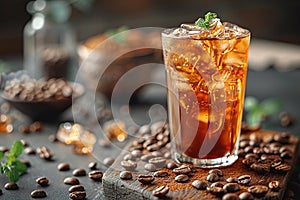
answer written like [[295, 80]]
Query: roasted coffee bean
[[244, 179], [137, 153], [183, 169], [79, 172], [24, 128], [232, 180], [283, 138], [200, 185], [129, 157], [172, 165], [76, 188], [276, 163], [241, 153], [145, 179], [42, 181], [108, 161], [129, 165], [11, 186], [261, 167], [24, 142], [249, 161], [36, 127], [77, 195], [285, 119], [283, 149], [92, 165], [52, 138], [218, 191], [144, 130], [274, 185], [251, 155], [258, 190], [244, 143], [167, 154], [231, 187], [38, 194], [4, 149], [44, 153], [125, 175], [26, 162], [213, 177], [29, 150], [249, 149], [96, 175], [71, 181], [283, 168], [181, 178], [216, 171], [160, 191], [157, 154], [269, 157], [153, 147], [230, 196], [217, 184], [286, 155], [146, 157], [258, 150], [246, 196], [160, 174], [63, 166], [158, 161], [150, 167]]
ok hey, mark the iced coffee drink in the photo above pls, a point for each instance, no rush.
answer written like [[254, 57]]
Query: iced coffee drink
[[206, 67]]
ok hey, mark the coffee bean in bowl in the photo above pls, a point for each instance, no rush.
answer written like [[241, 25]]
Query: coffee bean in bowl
[[43, 100]]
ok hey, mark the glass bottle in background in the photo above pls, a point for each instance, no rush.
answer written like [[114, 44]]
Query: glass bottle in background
[[49, 41]]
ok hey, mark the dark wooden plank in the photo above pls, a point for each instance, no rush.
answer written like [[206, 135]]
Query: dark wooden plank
[[116, 188]]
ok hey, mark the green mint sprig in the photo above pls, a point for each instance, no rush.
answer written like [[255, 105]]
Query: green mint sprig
[[204, 23], [12, 167]]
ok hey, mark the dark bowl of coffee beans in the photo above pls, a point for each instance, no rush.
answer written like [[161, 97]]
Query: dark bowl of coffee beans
[[43, 100]]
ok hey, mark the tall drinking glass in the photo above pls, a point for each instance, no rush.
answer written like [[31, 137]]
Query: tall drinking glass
[[206, 78]]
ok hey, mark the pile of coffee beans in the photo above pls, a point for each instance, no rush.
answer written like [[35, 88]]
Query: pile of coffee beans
[[38, 90]]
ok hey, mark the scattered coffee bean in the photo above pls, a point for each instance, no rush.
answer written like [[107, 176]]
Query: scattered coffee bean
[[42, 181], [24, 128], [79, 172], [218, 191], [261, 167], [248, 161], [181, 178], [160, 191], [231, 187], [77, 195], [216, 171], [258, 190], [129, 157], [230, 196], [251, 155], [44, 153], [269, 157], [24, 142], [38, 194], [146, 157], [11, 186], [157, 154], [71, 181], [232, 180], [183, 169], [274, 185], [26, 162], [125, 175], [283, 168], [4, 149], [217, 184], [96, 175], [29, 150], [92, 165], [158, 161], [167, 155], [172, 165], [213, 177], [283, 138], [150, 167], [129, 165], [249, 149], [246, 196], [145, 179], [258, 150], [276, 163], [76, 188], [244, 179], [108, 161], [52, 138], [286, 154], [36, 127], [63, 166], [137, 153], [200, 185], [160, 174], [144, 130]]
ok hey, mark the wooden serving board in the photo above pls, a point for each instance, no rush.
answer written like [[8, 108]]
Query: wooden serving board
[[116, 188]]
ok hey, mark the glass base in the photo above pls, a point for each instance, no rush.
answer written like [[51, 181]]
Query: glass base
[[207, 163]]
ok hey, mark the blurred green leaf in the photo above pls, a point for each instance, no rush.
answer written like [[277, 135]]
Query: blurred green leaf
[[250, 103], [271, 106]]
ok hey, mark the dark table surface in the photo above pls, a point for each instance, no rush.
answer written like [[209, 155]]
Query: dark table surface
[[264, 84]]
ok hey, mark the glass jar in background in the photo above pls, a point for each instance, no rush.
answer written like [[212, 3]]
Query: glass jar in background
[[49, 41]]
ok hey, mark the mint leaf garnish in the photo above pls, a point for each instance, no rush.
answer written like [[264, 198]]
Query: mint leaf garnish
[[204, 23], [13, 168]]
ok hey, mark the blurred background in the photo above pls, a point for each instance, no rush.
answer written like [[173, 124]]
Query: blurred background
[[274, 20]]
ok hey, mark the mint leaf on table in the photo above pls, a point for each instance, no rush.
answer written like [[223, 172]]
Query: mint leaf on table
[[13, 168]]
